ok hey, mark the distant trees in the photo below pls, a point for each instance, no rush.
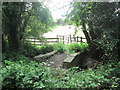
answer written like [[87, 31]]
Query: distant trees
[[23, 19], [99, 21], [60, 21]]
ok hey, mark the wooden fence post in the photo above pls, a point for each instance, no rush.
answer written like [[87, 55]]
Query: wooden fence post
[[77, 38], [74, 38], [70, 39], [57, 38], [81, 39], [63, 39]]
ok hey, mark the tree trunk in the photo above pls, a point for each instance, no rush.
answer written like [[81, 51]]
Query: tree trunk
[[93, 52], [85, 32], [91, 30], [118, 36], [13, 39]]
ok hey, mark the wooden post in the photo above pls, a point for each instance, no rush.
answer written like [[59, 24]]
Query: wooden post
[[57, 38], [70, 39], [63, 39], [73, 38], [77, 38], [60, 39], [81, 40]]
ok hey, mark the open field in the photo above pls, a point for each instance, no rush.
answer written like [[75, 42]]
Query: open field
[[64, 31]]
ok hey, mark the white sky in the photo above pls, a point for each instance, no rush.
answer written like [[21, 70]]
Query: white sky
[[58, 8], [55, 6]]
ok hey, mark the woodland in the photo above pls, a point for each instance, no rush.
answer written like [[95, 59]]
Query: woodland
[[100, 22]]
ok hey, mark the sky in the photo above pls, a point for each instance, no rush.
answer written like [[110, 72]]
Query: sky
[[58, 8]]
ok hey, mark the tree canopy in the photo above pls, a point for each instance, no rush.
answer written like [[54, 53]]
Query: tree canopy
[[24, 19], [100, 23]]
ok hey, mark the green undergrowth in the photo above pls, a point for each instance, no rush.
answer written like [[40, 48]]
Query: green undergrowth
[[28, 50], [60, 47], [13, 56], [76, 47], [43, 49], [21, 74]]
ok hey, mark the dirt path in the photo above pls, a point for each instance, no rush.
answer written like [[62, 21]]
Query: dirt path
[[57, 60]]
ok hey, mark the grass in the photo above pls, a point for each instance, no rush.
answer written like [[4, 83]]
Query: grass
[[78, 33], [56, 26]]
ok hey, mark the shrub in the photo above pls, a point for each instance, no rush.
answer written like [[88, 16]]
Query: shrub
[[59, 47], [13, 56], [75, 47], [23, 75], [45, 49], [83, 46], [39, 75], [28, 50]]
